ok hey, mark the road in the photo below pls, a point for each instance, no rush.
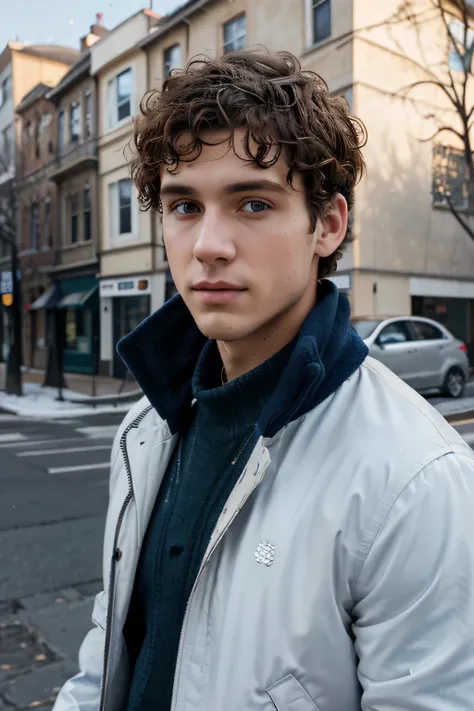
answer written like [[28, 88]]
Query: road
[[53, 498]]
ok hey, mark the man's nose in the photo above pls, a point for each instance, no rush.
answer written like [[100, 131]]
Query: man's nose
[[215, 239]]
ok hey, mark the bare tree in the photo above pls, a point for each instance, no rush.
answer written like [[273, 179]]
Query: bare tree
[[444, 31], [8, 238]]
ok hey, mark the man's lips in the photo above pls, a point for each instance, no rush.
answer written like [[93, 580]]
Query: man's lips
[[219, 292]]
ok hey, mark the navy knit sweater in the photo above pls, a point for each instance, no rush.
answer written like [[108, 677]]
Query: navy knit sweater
[[213, 449]]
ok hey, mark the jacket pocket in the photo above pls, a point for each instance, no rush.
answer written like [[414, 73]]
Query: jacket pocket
[[288, 695]]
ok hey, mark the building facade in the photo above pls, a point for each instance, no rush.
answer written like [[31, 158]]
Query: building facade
[[408, 254], [76, 265], [22, 67], [132, 268]]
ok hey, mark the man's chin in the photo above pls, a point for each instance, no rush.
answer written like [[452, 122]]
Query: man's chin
[[222, 327]]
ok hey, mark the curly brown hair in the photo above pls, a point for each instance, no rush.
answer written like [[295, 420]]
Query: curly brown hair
[[278, 104]]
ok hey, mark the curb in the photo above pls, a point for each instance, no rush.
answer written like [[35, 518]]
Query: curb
[[457, 417], [106, 399], [65, 414]]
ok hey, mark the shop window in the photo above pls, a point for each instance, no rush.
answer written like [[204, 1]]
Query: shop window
[[79, 330], [87, 210], [235, 34]]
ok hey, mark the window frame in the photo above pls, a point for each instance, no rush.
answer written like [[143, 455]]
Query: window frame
[[34, 227], [113, 99], [88, 114], [61, 130], [169, 52], [87, 214], [231, 22], [77, 121], [438, 201], [47, 215], [74, 212], [311, 7], [115, 209]]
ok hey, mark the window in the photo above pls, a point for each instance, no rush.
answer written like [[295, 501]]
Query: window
[[427, 332], [235, 34], [79, 330], [45, 122], [120, 97], [320, 20], [449, 177], [394, 333], [74, 207], [171, 59], [61, 131], [8, 149], [87, 208], [121, 208], [34, 227], [460, 54], [88, 114], [74, 121], [37, 140], [47, 235], [5, 90]]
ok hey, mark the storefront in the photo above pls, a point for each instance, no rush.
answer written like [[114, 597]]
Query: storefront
[[448, 302], [125, 303], [80, 303]]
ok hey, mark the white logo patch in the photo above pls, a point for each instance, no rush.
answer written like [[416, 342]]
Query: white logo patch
[[265, 553]]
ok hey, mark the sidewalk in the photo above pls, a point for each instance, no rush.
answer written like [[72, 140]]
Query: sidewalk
[[39, 643], [111, 395]]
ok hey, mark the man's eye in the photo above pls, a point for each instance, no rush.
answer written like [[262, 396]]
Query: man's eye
[[255, 206], [186, 208]]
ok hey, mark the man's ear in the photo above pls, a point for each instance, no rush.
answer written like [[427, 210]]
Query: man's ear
[[332, 227]]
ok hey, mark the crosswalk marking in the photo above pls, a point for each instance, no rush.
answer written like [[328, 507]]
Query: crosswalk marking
[[64, 450], [12, 437], [99, 432], [78, 468]]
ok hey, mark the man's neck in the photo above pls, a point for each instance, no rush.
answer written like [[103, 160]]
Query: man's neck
[[242, 356]]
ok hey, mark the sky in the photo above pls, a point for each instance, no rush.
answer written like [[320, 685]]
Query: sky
[[50, 22]]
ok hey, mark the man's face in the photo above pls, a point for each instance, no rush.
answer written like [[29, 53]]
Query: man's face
[[237, 240]]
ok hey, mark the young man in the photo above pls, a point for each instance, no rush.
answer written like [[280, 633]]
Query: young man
[[290, 526]]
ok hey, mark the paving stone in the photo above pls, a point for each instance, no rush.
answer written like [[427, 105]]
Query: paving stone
[[20, 649], [63, 626], [38, 685]]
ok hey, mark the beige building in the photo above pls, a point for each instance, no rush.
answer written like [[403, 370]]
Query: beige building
[[408, 254], [132, 266]]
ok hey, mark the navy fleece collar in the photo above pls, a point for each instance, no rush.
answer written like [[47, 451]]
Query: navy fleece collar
[[162, 352]]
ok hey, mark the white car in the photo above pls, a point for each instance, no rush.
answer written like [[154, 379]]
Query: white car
[[420, 351]]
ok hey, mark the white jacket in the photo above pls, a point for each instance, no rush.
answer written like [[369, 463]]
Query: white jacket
[[339, 577]]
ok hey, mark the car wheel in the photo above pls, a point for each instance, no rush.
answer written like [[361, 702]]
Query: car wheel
[[454, 383]]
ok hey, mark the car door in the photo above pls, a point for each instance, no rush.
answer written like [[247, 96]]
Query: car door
[[396, 348], [433, 345]]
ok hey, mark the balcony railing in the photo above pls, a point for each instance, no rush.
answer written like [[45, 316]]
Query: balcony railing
[[75, 154]]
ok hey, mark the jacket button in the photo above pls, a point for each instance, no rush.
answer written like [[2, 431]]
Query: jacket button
[[117, 554]]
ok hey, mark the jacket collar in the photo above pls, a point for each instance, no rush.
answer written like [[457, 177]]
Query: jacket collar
[[162, 352]]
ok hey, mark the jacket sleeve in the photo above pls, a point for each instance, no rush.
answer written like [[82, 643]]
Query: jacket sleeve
[[414, 611], [83, 691]]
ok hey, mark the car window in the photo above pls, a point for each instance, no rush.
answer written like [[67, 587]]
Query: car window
[[396, 332], [365, 328], [427, 331]]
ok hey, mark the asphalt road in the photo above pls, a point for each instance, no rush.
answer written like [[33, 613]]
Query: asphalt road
[[53, 500]]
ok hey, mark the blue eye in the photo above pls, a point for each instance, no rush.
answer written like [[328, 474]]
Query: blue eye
[[254, 206], [186, 208]]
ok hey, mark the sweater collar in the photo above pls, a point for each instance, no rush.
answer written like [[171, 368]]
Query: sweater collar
[[162, 353]]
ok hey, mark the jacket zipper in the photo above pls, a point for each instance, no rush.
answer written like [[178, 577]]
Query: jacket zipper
[[128, 498], [201, 570]]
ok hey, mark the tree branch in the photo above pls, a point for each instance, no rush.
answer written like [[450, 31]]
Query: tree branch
[[458, 217]]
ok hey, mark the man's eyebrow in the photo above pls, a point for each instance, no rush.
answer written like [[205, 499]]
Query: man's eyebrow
[[178, 189]]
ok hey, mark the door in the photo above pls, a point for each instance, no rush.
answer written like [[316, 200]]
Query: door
[[128, 313], [433, 347], [396, 348]]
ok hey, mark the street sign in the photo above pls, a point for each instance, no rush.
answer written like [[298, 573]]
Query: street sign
[[7, 283]]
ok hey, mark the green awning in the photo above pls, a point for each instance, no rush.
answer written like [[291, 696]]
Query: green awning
[[77, 299]]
